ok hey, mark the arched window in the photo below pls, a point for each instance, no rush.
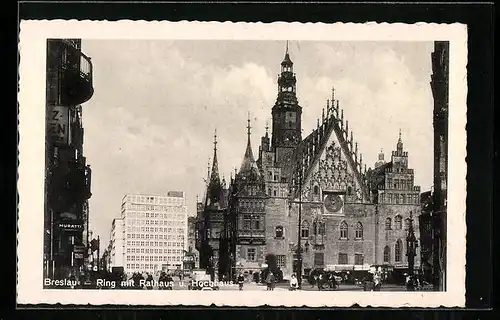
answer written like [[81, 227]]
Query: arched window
[[388, 223], [387, 254], [304, 229], [319, 232], [349, 190], [275, 193], [398, 221], [321, 228], [397, 250], [359, 230], [316, 190], [343, 230], [278, 232], [269, 191]]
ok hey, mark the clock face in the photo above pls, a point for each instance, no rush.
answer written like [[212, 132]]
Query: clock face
[[333, 203]]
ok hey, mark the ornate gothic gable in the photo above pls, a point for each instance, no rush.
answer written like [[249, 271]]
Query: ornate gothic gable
[[332, 173], [330, 160]]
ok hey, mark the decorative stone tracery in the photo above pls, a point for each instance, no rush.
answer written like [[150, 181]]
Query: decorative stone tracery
[[332, 174]]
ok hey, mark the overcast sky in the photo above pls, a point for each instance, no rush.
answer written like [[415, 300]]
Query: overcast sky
[[149, 126]]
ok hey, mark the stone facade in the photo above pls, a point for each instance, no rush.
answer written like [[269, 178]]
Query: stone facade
[[344, 208]]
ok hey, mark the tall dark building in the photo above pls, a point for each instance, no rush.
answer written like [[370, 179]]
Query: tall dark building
[[286, 113], [211, 218], [439, 85], [67, 176]]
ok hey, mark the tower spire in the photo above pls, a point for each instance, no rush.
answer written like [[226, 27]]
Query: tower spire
[[248, 126], [248, 165], [400, 144], [286, 47], [214, 186]]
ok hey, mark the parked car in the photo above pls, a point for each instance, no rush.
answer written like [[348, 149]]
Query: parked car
[[201, 280]]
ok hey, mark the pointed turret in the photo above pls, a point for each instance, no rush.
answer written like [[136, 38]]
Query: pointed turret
[[381, 160], [214, 185], [249, 166], [400, 144]]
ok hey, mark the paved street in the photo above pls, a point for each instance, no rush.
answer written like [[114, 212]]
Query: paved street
[[252, 286]]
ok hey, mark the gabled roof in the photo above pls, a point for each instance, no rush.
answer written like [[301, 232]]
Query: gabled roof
[[310, 149], [248, 164], [249, 171]]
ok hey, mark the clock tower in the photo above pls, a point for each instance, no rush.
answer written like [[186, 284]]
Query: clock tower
[[286, 113]]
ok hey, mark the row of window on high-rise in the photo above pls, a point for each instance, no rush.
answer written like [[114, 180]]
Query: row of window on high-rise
[[149, 236], [153, 199], [154, 258], [148, 243], [171, 213], [142, 266], [134, 228], [155, 250], [170, 248]]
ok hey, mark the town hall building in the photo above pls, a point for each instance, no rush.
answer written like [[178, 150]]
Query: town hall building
[[310, 196]]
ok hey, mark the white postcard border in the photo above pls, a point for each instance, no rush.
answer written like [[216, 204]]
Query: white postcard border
[[32, 46]]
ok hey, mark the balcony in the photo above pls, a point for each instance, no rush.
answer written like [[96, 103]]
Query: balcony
[[76, 72]]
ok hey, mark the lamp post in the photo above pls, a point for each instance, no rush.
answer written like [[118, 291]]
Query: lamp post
[[298, 250], [411, 244]]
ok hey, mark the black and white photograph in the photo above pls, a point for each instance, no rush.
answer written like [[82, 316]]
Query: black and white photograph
[[298, 159]]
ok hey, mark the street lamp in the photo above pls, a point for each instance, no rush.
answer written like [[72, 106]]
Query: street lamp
[[411, 244]]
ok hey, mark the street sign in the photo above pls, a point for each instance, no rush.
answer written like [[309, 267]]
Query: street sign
[[70, 225], [58, 129]]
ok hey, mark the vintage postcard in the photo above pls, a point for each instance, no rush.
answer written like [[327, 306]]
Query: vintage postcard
[[242, 164]]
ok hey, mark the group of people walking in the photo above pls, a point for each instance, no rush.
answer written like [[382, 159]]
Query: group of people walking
[[323, 280], [270, 281]]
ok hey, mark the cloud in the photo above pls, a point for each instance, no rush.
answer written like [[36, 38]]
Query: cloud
[[149, 127]]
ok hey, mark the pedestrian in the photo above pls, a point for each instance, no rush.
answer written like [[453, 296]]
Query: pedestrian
[[320, 281], [294, 284], [241, 280], [268, 280], [273, 280], [149, 281], [377, 281]]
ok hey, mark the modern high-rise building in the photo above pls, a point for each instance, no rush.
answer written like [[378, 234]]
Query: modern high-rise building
[[117, 243], [152, 232]]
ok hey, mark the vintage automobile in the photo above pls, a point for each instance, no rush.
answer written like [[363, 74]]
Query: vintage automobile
[[201, 280]]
